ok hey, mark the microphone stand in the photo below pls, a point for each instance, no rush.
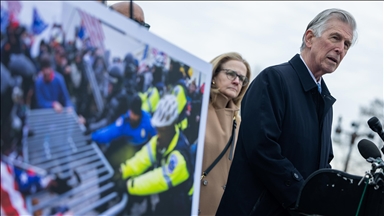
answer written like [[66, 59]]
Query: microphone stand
[[376, 175]]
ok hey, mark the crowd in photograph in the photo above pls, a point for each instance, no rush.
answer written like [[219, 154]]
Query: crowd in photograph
[[113, 97]]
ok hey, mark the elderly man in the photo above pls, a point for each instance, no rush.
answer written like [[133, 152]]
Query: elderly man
[[285, 134]]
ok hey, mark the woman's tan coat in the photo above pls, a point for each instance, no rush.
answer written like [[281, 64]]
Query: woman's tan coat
[[218, 131]]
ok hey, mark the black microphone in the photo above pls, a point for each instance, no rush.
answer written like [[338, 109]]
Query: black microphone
[[375, 125], [368, 149]]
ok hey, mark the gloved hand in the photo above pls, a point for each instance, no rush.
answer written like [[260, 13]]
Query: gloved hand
[[87, 132], [121, 186], [117, 174], [89, 141], [60, 185]]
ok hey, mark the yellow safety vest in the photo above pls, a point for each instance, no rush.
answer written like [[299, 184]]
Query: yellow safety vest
[[181, 98], [150, 99], [172, 171]]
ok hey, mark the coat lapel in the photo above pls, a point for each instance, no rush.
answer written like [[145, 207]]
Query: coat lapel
[[308, 84]]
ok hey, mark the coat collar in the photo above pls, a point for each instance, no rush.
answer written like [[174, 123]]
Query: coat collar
[[308, 83], [303, 73], [222, 102]]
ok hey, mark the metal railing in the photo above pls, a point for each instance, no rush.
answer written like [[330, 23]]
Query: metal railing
[[60, 148]]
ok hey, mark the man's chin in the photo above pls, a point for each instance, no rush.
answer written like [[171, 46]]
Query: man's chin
[[330, 70]]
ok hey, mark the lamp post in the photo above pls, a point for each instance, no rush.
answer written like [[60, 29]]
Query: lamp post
[[353, 136]]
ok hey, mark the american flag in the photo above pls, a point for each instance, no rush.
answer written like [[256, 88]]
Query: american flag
[[14, 7], [93, 29], [159, 56]]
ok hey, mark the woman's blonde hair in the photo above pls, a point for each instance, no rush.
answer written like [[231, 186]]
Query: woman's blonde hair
[[216, 67]]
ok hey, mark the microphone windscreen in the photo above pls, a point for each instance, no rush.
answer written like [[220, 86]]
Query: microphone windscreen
[[368, 149], [374, 124]]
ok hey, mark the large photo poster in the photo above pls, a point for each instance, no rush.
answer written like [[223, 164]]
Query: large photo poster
[[98, 115]]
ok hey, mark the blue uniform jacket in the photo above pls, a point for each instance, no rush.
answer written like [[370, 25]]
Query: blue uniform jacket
[[121, 128]]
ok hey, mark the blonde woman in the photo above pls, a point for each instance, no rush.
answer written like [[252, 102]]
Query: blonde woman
[[230, 79]]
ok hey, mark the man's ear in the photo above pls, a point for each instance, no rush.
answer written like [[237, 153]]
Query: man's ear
[[308, 38]]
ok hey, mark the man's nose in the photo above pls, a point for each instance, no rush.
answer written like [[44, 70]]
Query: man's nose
[[340, 48]]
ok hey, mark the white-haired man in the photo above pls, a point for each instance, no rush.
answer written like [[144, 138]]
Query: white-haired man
[[285, 133]]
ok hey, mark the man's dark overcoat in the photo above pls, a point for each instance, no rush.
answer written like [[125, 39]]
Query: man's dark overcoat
[[285, 136]]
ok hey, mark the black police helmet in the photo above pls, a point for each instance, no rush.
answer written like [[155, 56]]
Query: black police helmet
[[115, 73], [136, 105]]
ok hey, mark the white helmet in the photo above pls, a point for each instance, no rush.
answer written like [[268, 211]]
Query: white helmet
[[166, 112]]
